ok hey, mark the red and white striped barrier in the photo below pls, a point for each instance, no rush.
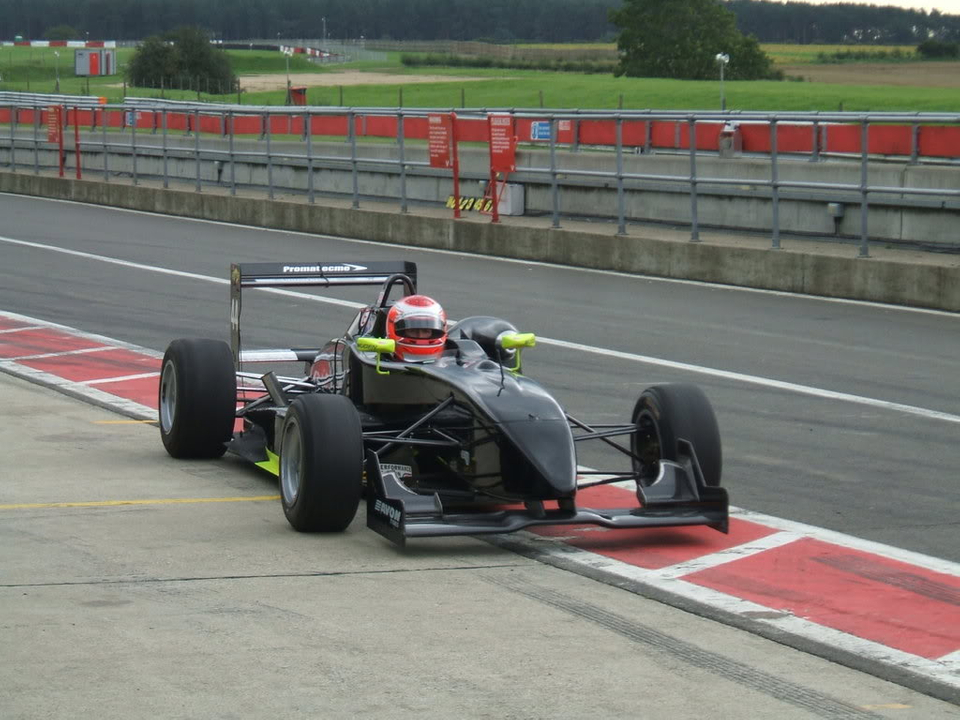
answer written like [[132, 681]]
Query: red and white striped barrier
[[61, 43]]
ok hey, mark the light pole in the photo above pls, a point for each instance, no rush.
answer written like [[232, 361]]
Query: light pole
[[722, 60], [324, 20], [288, 52], [57, 53]]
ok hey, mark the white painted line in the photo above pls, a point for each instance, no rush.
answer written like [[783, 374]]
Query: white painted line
[[113, 343], [798, 530], [633, 357], [783, 621], [515, 261], [756, 380], [21, 329], [127, 407], [123, 378], [951, 661], [180, 273], [831, 536], [65, 353], [723, 557]]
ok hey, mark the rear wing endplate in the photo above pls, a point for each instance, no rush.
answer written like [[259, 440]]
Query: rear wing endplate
[[271, 275]]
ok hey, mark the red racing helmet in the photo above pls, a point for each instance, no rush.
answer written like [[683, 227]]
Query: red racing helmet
[[419, 326]]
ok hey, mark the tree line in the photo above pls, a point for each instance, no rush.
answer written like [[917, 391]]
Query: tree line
[[496, 20]]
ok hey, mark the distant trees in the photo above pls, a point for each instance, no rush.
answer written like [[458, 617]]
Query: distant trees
[[839, 22], [61, 32], [498, 20], [182, 58], [681, 39]]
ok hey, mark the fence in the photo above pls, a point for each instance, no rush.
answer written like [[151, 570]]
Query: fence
[[580, 151]]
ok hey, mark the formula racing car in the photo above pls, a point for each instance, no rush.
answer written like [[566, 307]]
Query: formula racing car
[[454, 441]]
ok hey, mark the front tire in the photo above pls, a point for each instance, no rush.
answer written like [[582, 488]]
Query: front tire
[[666, 413], [321, 463], [197, 398]]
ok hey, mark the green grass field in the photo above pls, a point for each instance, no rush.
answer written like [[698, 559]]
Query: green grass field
[[34, 69]]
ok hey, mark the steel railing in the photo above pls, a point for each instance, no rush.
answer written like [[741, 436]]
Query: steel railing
[[121, 138]]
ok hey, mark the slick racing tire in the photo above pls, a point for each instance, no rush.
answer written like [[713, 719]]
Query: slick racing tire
[[321, 463], [666, 413], [197, 399]]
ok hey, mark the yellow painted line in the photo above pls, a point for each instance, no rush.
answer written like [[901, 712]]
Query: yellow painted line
[[115, 503]]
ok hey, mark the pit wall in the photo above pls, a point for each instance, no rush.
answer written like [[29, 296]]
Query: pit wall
[[746, 204], [874, 279]]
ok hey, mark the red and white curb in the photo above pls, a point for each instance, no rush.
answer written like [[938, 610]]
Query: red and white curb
[[879, 608]]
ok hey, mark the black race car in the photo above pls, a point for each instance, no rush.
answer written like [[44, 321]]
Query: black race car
[[464, 445]]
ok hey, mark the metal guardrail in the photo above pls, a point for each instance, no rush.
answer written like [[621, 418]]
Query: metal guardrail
[[555, 176]]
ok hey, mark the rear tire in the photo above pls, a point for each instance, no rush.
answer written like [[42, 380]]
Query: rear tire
[[666, 413], [197, 398], [321, 463]]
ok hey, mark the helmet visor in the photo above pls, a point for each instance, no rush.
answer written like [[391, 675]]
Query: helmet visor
[[420, 327]]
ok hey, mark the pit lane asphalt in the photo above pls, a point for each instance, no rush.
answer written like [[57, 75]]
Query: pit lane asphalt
[[213, 607], [868, 471]]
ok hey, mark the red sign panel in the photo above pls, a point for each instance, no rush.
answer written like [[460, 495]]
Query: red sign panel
[[503, 144], [53, 124], [440, 140]]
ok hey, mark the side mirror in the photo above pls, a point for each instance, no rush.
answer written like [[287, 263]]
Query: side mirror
[[379, 346], [516, 341]]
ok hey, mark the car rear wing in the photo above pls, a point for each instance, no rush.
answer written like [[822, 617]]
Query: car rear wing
[[273, 275]]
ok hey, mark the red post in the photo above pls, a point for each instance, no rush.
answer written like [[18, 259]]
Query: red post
[[76, 138], [456, 165], [59, 114], [493, 174]]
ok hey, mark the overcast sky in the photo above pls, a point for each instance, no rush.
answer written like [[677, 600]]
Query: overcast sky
[[950, 7]]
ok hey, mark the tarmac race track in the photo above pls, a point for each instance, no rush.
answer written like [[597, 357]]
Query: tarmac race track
[[840, 424]]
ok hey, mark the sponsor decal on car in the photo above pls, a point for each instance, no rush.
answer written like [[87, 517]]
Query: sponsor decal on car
[[392, 514], [401, 471], [346, 267]]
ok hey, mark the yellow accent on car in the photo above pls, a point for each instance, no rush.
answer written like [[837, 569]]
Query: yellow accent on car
[[379, 346], [271, 464], [517, 341], [512, 341]]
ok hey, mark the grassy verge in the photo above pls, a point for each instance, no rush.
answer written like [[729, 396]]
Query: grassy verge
[[34, 69]]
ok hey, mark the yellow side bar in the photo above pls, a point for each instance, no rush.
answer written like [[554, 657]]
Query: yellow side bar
[[115, 503]]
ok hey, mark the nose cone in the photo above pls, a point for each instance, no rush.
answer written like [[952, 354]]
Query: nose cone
[[545, 455]]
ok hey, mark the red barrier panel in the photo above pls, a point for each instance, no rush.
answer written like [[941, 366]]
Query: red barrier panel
[[890, 139], [212, 124], [597, 132], [793, 139], [663, 134], [472, 131], [938, 141], [58, 43], [633, 133], [329, 125], [246, 125], [843, 139], [756, 138], [176, 121], [5, 116], [415, 128], [381, 127]]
